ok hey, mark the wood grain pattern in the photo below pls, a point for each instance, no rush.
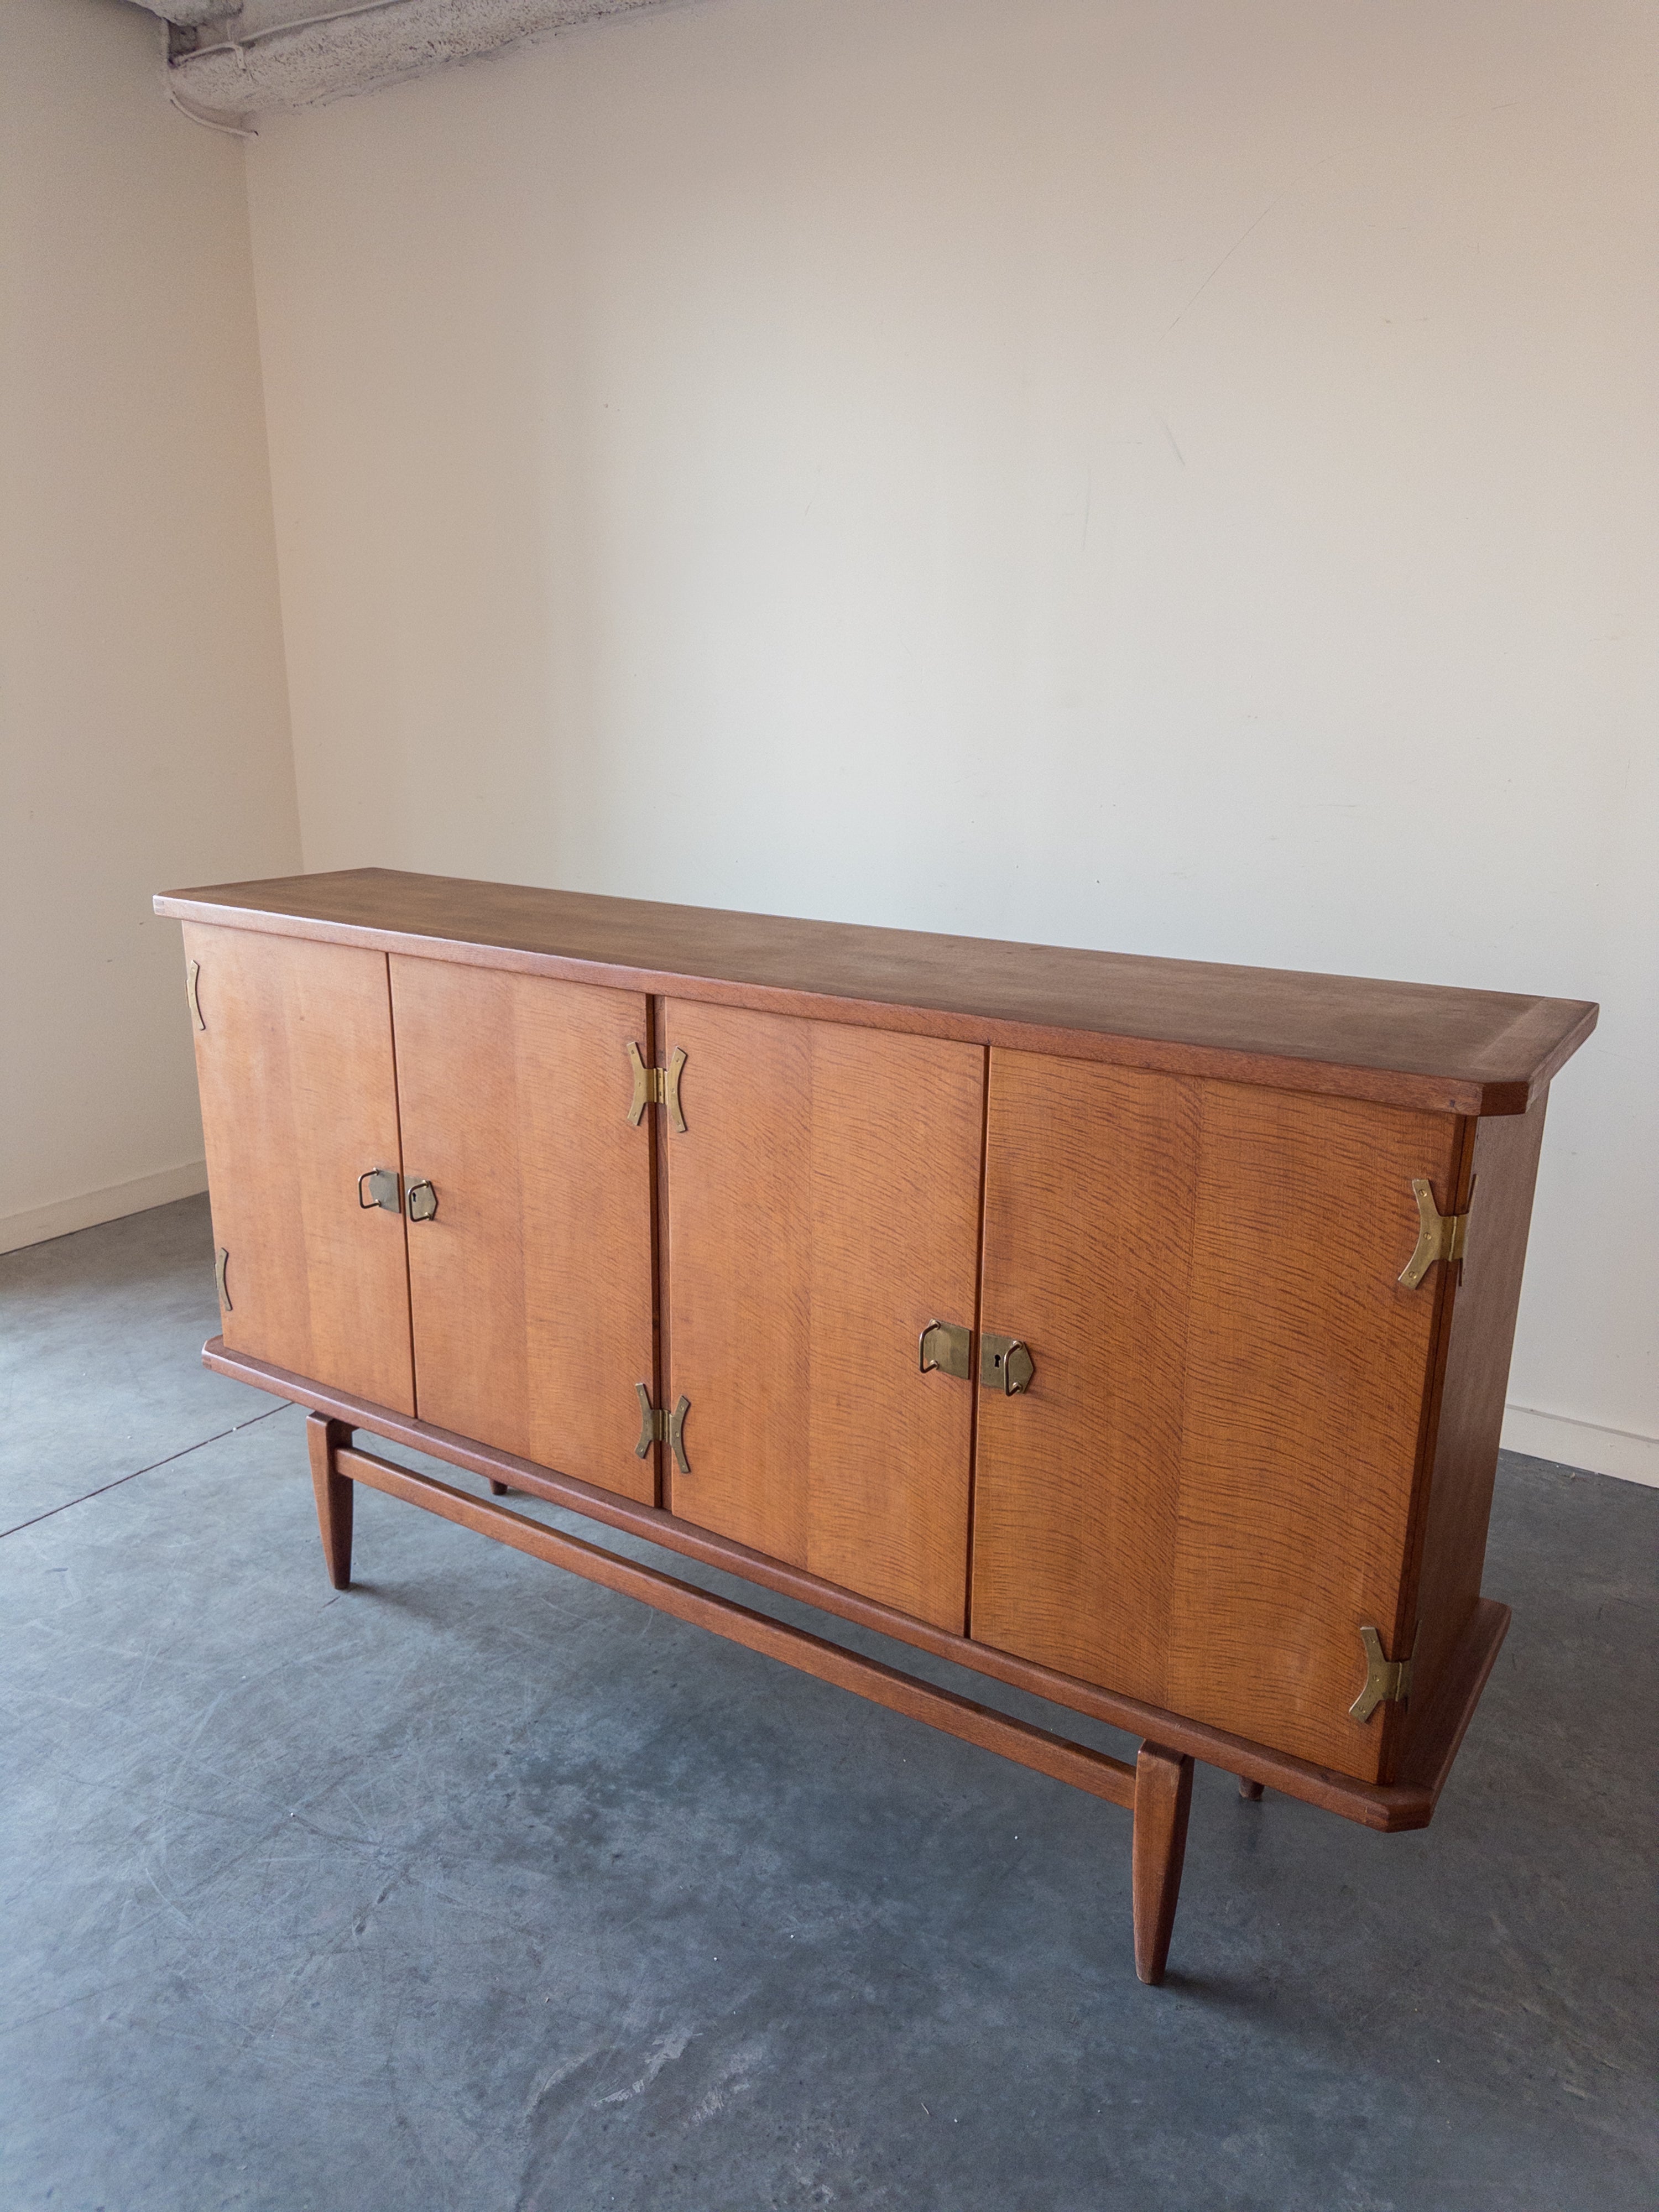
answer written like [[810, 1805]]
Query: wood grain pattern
[[1163, 1797], [294, 1066], [1458, 1505], [1409, 1044], [1208, 1488], [531, 1289], [1090, 1193], [1388, 1809], [325, 1439], [822, 1209], [1307, 1370], [1075, 1763]]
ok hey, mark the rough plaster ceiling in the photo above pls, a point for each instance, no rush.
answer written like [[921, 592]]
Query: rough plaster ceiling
[[231, 59]]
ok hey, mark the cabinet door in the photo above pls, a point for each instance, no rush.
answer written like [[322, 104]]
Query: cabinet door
[[1206, 1491], [298, 1101], [530, 1284], [823, 1205]]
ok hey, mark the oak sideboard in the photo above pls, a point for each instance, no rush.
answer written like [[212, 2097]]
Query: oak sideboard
[[1132, 1332]]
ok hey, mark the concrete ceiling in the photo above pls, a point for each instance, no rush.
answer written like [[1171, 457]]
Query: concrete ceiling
[[227, 63]]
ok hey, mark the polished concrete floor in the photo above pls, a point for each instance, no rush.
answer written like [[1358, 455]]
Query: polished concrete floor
[[476, 1887]]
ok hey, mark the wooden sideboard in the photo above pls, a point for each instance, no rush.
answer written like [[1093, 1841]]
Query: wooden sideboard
[[1133, 1331]]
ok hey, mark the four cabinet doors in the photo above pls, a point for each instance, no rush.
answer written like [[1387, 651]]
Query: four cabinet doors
[[1202, 1495]]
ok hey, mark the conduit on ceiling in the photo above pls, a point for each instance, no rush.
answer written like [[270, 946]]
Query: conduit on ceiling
[[230, 60]]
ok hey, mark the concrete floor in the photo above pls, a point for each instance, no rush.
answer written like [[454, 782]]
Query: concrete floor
[[477, 1887]]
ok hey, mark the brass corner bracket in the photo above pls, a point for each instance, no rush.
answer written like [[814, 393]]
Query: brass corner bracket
[[1385, 1679], [1440, 1236], [657, 1086]]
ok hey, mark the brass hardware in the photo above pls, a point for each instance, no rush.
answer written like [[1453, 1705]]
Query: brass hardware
[[1385, 1679], [657, 1427], [648, 1090], [1441, 1236], [1006, 1365], [652, 1424], [192, 974], [422, 1201], [219, 1267], [676, 1435], [657, 1086], [943, 1345], [385, 1190], [1004, 1362]]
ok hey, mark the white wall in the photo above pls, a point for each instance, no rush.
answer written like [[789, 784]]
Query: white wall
[[143, 720], [1172, 477]]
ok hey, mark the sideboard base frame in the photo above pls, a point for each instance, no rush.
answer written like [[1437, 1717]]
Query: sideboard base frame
[[1157, 1788]]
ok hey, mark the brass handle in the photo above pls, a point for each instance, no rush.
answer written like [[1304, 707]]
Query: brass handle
[[384, 1190], [192, 976], [420, 1201], [219, 1267], [1006, 1365]]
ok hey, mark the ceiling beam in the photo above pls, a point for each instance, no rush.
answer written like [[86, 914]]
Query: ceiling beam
[[239, 68]]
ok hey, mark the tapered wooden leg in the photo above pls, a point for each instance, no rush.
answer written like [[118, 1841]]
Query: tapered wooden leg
[[496, 1489], [1163, 1796], [334, 1491], [1247, 1788]]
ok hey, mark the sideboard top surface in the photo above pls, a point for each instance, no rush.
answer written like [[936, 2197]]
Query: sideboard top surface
[[1405, 1044]]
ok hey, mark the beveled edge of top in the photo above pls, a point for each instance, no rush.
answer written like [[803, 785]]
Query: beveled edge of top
[[1432, 1047]]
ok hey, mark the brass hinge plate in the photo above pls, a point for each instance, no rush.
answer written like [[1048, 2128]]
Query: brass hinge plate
[[657, 1086], [658, 1427], [1439, 1236], [948, 1348], [1386, 1679]]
